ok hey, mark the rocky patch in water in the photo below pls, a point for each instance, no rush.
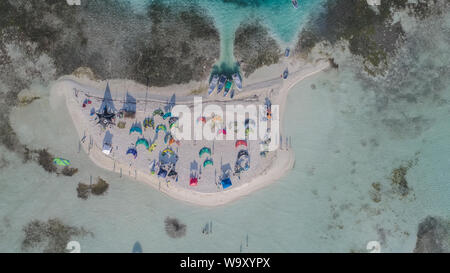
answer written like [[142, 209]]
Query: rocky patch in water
[[50, 237], [99, 188], [371, 32], [433, 236], [254, 47], [174, 228], [183, 46]]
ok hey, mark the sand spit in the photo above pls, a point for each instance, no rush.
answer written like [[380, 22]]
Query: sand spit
[[209, 192]]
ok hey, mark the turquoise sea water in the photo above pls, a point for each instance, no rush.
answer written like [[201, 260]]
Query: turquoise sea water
[[347, 131], [282, 19]]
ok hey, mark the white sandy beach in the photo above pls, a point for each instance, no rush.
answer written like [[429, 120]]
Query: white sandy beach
[[263, 171]]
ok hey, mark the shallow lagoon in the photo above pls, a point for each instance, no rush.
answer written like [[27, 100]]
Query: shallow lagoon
[[341, 144], [321, 205]]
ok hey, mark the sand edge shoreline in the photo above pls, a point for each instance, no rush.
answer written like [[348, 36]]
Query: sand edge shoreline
[[284, 158]]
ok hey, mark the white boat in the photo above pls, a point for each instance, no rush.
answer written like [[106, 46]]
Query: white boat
[[237, 80], [213, 84]]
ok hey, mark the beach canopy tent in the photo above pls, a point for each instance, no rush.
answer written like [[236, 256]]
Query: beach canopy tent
[[61, 161], [226, 183], [167, 115], [161, 127], [107, 148], [107, 101], [240, 142], [204, 150], [208, 162], [136, 128], [149, 123], [132, 151], [129, 104], [142, 141], [162, 173], [158, 112], [168, 157]]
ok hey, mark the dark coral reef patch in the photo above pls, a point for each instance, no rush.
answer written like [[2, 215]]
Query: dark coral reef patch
[[254, 46]]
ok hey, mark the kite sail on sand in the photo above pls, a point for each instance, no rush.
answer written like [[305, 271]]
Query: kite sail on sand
[[142, 141], [158, 112], [161, 127], [61, 161], [132, 151], [240, 142], [208, 162], [149, 123], [226, 183], [136, 129], [204, 150]]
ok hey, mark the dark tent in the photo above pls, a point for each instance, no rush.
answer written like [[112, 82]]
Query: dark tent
[[105, 117], [173, 174], [162, 173]]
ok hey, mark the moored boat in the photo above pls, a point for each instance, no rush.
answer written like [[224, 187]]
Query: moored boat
[[285, 73], [237, 80], [295, 3], [228, 85], [222, 81], [286, 52], [213, 84]]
